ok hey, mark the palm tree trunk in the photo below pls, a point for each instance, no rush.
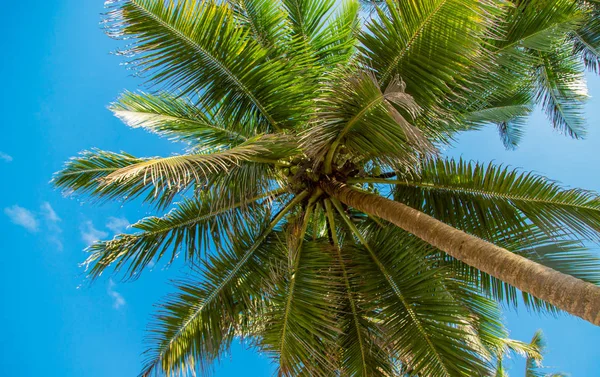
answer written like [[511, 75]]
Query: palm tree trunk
[[564, 291]]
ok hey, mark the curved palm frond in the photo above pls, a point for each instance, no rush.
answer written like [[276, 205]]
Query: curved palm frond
[[192, 329], [429, 329], [109, 175], [562, 91], [336, 43], [477, 198], [300, 325], [447, 34], [198, 47], [197, 324], [530, 30], [533, 366], [308, 18], [357, 114], [536, 25], [586, 39], [178, 119], [194, 226], [508, 114], [82, 174], [266, 21], [364, 351]]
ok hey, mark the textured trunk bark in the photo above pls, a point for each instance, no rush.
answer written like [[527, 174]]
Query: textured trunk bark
[[564, 291]]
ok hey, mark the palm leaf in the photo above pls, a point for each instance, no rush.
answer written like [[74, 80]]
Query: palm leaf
[[196, 325], [308, 18], [178, 119], [586, 39], [194, 226], [562, 91], [266, 21], [509, 114], [477, 198], [336, 43], [110, 175], [448, 35], [83, 174], [357, 114], [198, 47], [428, 327], [362, 343], [300, 325]]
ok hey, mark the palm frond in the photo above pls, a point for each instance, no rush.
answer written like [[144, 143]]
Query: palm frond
[[533, 366], [108, 175], [301, 322], [83, 174], [178, 119], [538, 26], [192, 228], [508, 114], [562, 91], [195, 326], [336, 43], [477, 198], [198, 47], [448, 35], [430, 330], [358, 115], [528, 30], [362, 343], [308, 18], [266, 21], [586, 39]]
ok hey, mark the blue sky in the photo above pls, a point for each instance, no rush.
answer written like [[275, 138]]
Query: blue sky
[[58, 79]]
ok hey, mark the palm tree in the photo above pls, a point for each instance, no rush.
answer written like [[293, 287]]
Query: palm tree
[[297, 114], [533, 352]]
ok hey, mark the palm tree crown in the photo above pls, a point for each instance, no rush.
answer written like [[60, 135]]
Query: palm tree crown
[[297, 114]]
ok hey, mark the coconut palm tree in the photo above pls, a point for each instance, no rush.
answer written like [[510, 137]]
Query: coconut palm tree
[[301, 118], [533, 352]]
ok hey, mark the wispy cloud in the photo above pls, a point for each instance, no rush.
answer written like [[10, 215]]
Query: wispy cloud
[[117, 224], [5, 157], [52, 221], [89, 234], [49, 212], [118, 300], [31, 221], [23, 217]]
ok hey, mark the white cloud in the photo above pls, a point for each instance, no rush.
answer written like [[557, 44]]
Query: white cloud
[[117, 224], [57, 242], [118, 300], [52, 220], [23, 217], [89, 234], [5, 157], [49, 212]]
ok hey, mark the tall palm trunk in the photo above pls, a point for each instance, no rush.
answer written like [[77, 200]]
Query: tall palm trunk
[[564, 291]]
